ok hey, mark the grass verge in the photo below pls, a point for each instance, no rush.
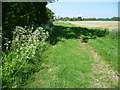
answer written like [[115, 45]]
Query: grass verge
[[66, 63], [67, 66], [107, 47]]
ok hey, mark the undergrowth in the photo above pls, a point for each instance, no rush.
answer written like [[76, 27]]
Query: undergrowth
[[24, 55]]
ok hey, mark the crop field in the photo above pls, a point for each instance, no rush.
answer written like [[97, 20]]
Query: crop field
[[111, 25]]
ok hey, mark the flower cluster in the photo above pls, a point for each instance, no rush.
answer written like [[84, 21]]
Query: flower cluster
[[22, 52]]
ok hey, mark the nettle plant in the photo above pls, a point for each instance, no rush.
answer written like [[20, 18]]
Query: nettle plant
[[19, 61]]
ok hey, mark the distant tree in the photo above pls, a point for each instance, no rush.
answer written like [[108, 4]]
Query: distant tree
[[79, 18], [115, 18]]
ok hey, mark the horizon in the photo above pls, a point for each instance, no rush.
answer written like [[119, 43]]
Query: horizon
[[85, 9]]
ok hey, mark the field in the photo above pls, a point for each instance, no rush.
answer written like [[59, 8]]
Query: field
[[72, 62], [42, 50], [111, 25], [71, 56]]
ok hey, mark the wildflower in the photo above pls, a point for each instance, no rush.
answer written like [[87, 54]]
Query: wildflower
[[21, 48], [22, 44], [9, 41], [27, 57], [34, 52], [32, 55]]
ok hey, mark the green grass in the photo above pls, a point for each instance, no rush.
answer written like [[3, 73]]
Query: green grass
[[104, 42], [63, 24], [107, 47], [67, 66]]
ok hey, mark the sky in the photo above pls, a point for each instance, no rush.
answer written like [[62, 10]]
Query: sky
[[88, 0], [75, 8]]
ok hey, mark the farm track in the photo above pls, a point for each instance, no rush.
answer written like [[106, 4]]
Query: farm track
[[106, 76], [72, 63], [101, 75]]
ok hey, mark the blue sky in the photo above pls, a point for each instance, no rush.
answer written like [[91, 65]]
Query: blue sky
[[85, 9]]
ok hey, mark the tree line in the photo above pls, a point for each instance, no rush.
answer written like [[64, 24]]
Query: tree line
[[87, 19]]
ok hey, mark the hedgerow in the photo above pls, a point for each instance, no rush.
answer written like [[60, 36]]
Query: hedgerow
[[24, 55]]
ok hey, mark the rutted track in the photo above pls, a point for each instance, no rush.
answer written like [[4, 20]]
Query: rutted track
[[100, 68]]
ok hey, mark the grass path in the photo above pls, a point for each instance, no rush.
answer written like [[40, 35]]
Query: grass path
[[67, 66], [72, 63], [103, 76]]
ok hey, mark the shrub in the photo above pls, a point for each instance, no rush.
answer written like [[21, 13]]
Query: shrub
[[24, 55]]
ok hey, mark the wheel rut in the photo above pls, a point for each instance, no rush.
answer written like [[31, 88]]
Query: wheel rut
[[103, 76]]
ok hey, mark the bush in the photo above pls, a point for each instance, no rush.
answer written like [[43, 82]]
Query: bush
[[22, 14], [24, 55]]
